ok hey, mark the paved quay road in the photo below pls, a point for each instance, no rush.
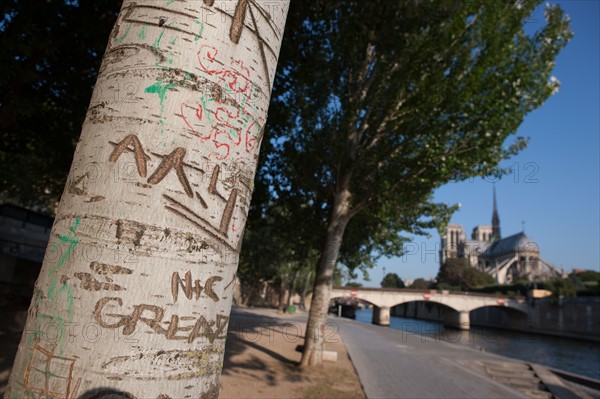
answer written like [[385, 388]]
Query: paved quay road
[[398, 364], [404, 364]]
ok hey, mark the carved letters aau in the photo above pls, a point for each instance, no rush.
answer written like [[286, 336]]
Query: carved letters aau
[[175, 162]]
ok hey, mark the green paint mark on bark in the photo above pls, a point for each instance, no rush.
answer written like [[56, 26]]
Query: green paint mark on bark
[[142, 33], [200, 30], [169, 2], [72, 240], [156, 43], [172, 42], [64, 290], [120, 39], [160, 89]]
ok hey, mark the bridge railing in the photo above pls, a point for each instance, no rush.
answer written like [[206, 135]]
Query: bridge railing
[[429, 291]]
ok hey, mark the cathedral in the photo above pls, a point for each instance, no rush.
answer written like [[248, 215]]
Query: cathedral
[[506, 259]]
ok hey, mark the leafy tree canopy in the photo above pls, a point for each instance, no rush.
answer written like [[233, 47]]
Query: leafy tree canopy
[[588, 276], [378, 103], [50, 53], [560, 287], [457, 272], [421, 284], [473, 278], [392, 280], [386, 101], [354, 284]]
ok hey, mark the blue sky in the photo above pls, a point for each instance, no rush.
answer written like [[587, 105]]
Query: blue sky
[[555, 184]]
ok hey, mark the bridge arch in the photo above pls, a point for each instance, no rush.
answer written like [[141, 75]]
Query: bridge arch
[[499, 316], [434, 310], [333, 298], [457, 305], [376, 308], [509, 309], [439, 304]]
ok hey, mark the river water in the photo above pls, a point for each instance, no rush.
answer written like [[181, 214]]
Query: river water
[[580, 357]]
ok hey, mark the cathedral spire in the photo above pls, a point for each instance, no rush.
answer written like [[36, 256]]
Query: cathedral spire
[[495, 220]]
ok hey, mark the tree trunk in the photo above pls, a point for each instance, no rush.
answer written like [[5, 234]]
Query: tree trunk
[[315, 330], [305, 290], [292, 287], [282, 290], [136, 286]]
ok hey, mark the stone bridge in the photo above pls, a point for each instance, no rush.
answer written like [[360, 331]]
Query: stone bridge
[[461, 303]]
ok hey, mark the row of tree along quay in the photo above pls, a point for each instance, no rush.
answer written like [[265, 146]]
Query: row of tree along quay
[[376, 104], [168, 234]]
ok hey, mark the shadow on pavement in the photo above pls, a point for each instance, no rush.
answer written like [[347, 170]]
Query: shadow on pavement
[[247, 330], [262, 333]]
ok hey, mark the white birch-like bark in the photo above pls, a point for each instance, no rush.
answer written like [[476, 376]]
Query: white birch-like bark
[[136, 286]]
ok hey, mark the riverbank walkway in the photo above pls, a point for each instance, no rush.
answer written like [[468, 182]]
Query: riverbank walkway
[[405, 364], [397, 364], [390, 363]]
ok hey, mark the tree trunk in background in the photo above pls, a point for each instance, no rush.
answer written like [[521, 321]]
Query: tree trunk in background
[[292, 288], [136, 286], [305, 290], [316, 327], [281, 297]]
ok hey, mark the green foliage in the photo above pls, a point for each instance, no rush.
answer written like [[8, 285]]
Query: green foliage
[[560, 287], [354, 284], [342, 276], [588, 276], [472, 278], [587, 283], [447, 287], [450, 272], [50, 53], [457, 272], [276, 256], [386, 101], [512, 294], [519, 289], [421, 284], [593, 290], [392, 280], [397, 97]]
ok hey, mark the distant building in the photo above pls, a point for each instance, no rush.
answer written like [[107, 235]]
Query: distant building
[[506, 259]]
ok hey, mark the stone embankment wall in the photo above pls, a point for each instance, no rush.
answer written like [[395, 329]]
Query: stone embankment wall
[[570, 317]]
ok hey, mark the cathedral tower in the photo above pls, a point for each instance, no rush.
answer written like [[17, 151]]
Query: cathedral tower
[[496, 236]]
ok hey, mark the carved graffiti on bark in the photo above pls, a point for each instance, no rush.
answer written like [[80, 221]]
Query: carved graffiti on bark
[[176, 161], [152, 316], [193, 289]]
